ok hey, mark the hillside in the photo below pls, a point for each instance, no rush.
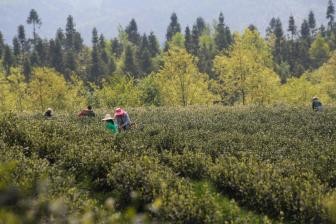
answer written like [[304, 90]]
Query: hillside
[[106, 15]]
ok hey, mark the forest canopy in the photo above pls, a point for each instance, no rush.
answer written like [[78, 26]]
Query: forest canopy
[[198, 64]]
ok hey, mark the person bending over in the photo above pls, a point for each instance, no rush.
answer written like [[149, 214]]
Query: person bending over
[[122, 119], [87, 112], [110, 125]]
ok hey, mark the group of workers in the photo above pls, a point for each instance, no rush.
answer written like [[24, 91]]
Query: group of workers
[[118, 123], [121, 121]]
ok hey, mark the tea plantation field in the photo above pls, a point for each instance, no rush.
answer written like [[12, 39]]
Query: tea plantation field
[[180, 165]]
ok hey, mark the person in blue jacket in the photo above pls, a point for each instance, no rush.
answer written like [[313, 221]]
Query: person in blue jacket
[[316, 104]]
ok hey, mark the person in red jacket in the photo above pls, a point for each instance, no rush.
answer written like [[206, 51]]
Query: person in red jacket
[[87, 112]]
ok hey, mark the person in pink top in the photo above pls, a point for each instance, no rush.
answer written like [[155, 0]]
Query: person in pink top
[[122, 119]]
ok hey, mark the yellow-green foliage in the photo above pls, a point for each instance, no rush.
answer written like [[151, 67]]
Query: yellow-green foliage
[[180, 82], [18, 89], [325, 78], [298, 91], [120, 90], [177, 41], [245, 75], [319, 50], [330, 205], [5, 94], [320, 82], [77, 95], [47, 88], [246, 72]]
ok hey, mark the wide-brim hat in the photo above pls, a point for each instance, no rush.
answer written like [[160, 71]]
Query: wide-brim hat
[[49, 109], [315, 98], [118, 112], [107, 117]]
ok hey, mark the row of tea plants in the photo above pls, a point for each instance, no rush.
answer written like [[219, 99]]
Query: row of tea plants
[[273, 164]]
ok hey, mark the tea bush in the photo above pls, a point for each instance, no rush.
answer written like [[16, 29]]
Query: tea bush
[[278, 162]]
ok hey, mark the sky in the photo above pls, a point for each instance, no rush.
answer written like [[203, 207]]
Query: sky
[[150, 15]]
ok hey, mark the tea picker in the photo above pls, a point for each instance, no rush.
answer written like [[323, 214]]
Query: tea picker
[[110, 125], [122, 119], [316, 104], [49, 113]]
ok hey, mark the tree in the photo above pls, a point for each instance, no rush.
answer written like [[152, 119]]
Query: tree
[[303, 56], [94, 37], [312, 23], [177, 41], [279, 41], [263, 87], [56, 55], [319, 51], [275, 35], [330, 15], [129, 66], [112, 66], [77, 94], [70, 33], [117, 48], [206, 55], [41, 50], [188, 40], [278, 31], [34, 19], [132, 32], [324, 79], [144, 57], [153, 45], [60, 36], [323, 31], [173, 28], [5, 94], [17, 48], [271, 27], [22, 39], [96, 71], [8, 60], [18, 89], [180, 82], [26, 68], [292, 28], [35, 59], [283, 70], [150, 91], [223, 35], [70, 64], [102, 48], [298, 91], [194, 41], [48, 89], [2, 45], [305, 30], [242, 71], [252, 27], [200, 25], [77, 42], [120, 90], [290, 52], [303, 47]]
